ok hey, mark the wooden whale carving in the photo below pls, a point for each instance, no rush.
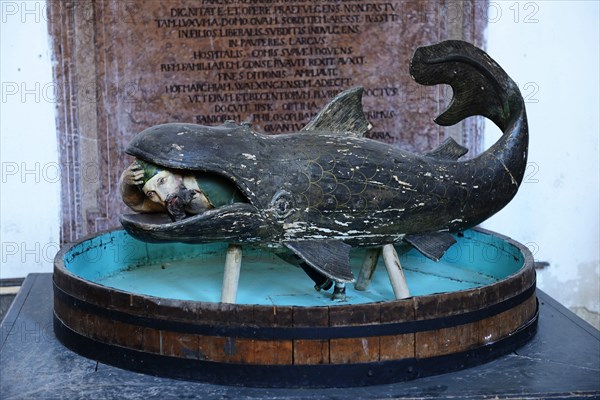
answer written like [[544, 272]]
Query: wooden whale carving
[[325, 189]]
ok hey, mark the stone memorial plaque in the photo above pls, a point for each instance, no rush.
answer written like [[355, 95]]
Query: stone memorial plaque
[[127, 65]]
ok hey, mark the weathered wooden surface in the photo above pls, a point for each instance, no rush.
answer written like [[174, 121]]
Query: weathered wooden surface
[[414, 330], [231, 274], [228, 348], [368, 268], [394, 269], [320, 191], [547, 367]]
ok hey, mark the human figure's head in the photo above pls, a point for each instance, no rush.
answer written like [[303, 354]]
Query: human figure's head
[[158, 183]]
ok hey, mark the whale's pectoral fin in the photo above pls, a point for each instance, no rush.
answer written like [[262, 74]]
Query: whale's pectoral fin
[[431, 245], [449, 150], [330, 257]]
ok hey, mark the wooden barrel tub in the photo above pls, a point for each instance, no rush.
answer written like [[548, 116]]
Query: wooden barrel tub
[[154, 308]]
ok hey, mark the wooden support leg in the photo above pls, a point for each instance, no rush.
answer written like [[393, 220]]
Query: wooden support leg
[[394, 269], [231, 275], [339, 291], [368, 268]]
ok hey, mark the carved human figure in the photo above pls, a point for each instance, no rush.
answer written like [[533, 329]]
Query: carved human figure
[[149, 188]]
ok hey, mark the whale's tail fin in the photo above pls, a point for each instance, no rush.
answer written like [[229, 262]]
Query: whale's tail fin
[[480, 85]]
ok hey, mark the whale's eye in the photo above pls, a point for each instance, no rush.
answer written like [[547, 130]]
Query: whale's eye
[[282, 204]]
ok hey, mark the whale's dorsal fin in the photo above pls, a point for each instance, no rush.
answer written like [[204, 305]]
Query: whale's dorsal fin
[[449, 150], [330, 257], [344, 115]]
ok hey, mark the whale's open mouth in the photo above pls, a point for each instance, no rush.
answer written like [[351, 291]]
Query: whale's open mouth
[[162, 220], [232, 223], [201, 192], [207, 207]]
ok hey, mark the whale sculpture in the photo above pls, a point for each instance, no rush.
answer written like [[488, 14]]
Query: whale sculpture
[[319, 192]]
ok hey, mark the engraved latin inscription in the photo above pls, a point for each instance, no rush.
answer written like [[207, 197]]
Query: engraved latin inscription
[[276, 62]]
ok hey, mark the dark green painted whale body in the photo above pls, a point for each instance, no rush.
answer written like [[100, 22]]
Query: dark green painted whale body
[[322, 190]]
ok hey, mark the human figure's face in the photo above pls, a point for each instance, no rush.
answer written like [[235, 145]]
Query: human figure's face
[[162, 185]]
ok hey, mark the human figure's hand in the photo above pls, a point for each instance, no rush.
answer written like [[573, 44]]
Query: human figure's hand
[[130, 185], [133, 175]]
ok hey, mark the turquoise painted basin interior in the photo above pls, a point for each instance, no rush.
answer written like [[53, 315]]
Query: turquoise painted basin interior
[[195, 272]]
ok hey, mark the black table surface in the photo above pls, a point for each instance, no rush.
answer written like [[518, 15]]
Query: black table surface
[[561, 361]]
